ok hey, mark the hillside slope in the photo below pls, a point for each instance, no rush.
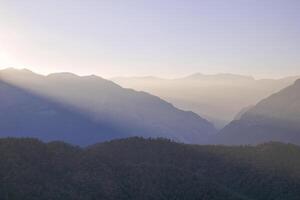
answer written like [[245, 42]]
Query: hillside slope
[[110, 110], [139, 169], [218, 98], [276, 118]]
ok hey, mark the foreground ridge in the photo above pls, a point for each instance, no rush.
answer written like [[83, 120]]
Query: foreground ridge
[[137, 168]]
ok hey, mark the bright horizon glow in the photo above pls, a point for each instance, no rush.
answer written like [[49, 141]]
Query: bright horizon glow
[[144, 76], [166, 39]]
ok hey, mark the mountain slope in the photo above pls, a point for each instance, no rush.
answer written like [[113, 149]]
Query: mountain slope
[[106, 108], [218, 98], [276, 118], [24, 114], [139, 169]]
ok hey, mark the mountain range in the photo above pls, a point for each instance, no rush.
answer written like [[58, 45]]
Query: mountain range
[[276, 118], [219, 97], [89, 109], [83, 110]]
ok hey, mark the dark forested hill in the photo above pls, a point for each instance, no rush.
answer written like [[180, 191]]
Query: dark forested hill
[[89, 109], [141, 169], [276, 118]]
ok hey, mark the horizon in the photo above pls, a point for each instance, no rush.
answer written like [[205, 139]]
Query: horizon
[[152, 38], [150, 76]]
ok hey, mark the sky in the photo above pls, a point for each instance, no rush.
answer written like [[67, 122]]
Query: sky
[[166, 38]]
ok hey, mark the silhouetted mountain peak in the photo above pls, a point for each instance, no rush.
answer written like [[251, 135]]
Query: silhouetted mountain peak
[[276, 118], [90, 108], [297, 82], [13, 75], [12, 70]]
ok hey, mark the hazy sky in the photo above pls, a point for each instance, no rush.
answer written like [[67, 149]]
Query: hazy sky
[[151, 37]]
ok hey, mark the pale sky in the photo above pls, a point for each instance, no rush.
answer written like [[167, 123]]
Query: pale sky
[[167, 38]]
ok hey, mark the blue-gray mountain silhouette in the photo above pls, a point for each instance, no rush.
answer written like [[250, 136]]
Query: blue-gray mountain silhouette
[[276, 118], [217, 97], [89, 109]]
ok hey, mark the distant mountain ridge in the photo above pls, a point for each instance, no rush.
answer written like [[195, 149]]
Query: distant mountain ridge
[[220, 76], [276, 118], [217, 97], [107, 111]]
